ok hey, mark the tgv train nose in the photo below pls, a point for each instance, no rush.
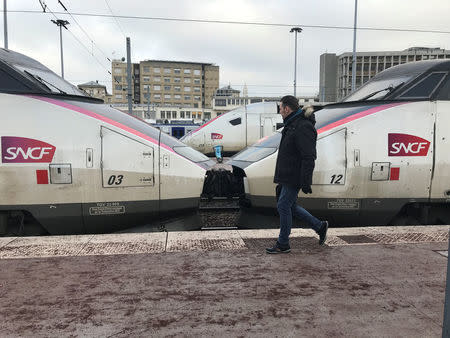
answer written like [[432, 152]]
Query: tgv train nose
[[193, 140]]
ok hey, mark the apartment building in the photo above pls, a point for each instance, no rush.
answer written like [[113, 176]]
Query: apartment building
[[167, 83], [336, 70]]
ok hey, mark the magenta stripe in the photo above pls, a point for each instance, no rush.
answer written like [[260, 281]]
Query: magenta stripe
[[358, 116], [101, 118], [204, 125]]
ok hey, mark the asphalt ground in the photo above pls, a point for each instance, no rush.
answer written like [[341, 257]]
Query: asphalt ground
[[365, 282]]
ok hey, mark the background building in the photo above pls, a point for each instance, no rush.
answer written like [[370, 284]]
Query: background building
[[336, 71], [153, 113], [167, 83], [227, 98], [95, 89]]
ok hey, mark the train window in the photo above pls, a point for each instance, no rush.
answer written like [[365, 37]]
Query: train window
[[235, 121], [426, 87], [9, 83], [444, 92]]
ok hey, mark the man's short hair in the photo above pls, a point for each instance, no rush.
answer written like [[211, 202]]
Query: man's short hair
[[291, 102]]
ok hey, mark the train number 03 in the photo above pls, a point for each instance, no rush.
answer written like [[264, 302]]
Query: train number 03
[[336, 179], [115, 180]]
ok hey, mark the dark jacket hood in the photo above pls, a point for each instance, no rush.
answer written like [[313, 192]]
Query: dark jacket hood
[[307, 113]]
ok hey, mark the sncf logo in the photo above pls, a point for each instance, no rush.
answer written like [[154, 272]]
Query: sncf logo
[[407, 145], [216, 136], [26, 150]]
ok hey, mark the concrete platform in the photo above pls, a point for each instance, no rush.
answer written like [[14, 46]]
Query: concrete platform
[[365, 282]]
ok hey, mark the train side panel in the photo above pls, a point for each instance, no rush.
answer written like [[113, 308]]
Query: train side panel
[[97, 176], [440, 191], [366, 169]]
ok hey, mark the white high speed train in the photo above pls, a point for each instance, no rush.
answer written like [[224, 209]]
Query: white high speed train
[[383, 154], [236, 129], [71, 164]]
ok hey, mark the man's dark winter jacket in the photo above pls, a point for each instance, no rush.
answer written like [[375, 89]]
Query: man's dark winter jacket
[[297, 151]]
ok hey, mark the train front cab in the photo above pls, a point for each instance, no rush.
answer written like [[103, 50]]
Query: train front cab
[[379, 161], [103, 170]]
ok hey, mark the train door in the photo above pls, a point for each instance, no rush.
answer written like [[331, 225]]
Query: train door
[[440, 185], [330, 181], [267, 126], [253, 132], [125, 161], [128, 190], [331, 163]]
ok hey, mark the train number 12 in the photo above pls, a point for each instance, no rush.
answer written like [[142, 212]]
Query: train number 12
[[336, 179]]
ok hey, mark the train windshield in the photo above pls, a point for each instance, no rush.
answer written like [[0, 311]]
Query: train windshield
[[261, 149], [389, 81], [32, 75], [376, 90], [182, 149], [53, 82], [191, 154]]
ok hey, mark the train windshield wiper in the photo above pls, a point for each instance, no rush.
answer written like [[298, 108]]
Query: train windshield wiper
[[44, 82], [389, 90]]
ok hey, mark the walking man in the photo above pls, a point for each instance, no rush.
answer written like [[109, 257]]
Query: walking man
[[294, 170]]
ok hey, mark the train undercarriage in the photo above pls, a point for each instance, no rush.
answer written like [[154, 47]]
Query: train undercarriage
[[225, 184], [225, 205]]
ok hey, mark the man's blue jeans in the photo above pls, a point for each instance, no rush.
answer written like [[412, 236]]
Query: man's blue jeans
[[287, 207]]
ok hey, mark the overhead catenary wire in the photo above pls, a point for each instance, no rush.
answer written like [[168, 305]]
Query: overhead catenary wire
[[84, 31], [136, 17], [45, 8], [115, 18]]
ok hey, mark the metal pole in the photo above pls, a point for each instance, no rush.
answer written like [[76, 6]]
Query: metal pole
[[296, 30], [295, 66], [446, 326], [129, 94], [148, 100], [62, 57], [5, 24], [354, 49], [60, 24]]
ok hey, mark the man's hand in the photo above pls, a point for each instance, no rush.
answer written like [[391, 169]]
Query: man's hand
[[307, 190]]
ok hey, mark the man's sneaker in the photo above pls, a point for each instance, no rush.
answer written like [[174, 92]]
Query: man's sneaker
[[278, 248], [323, 232]]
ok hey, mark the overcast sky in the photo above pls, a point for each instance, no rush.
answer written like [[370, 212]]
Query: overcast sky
[[260, 56]]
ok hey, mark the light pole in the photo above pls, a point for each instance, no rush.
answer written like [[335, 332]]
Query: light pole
[[148, 100], [354, 49], [130, 89], [5, 24], [61, 23], [296, 30]]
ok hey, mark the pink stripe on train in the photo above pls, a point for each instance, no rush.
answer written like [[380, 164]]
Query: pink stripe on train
[[358, 116], [101, 118]]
